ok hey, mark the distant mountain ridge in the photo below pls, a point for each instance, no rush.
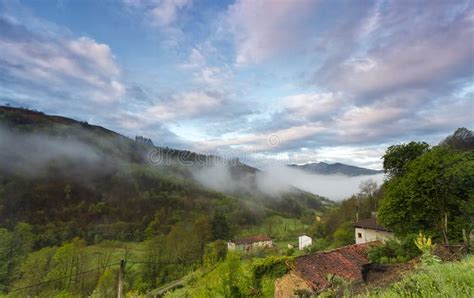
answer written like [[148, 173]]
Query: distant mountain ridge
[[323, 168]]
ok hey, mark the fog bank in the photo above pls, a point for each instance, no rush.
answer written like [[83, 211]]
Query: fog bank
[[334, 187]]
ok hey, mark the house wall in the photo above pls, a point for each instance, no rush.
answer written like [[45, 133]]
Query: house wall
[[368, 235], [304, 241], [262, 244], [247, 247]]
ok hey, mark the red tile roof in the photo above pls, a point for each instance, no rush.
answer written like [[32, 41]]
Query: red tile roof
[[370, 223], [252, 239], [346, 262]]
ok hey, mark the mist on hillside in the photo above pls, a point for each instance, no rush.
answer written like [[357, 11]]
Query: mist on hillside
[[334, 187], [31, 154], [275, 180]]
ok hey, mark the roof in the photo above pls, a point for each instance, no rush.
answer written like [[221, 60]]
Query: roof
[[252, 239], [370, 223], [346, 262]]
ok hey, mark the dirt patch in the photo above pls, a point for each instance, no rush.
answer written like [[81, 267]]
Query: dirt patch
[[289, 284], [382, 276]]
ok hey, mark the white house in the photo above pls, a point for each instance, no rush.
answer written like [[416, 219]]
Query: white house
[[304, 241], [368, 230]]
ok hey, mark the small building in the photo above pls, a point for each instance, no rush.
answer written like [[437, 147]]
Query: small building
[[304, 241], [251, 242], [369, 230]]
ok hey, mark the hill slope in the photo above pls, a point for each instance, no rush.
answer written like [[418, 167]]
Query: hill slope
[[69, 178]]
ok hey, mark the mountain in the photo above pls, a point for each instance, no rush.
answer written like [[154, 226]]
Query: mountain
[[68, 178], [323, 168]]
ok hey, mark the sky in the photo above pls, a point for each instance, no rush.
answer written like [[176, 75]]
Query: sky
[[269, 81]]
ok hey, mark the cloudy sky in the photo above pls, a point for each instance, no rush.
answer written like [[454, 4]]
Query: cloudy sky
[[285, 80]]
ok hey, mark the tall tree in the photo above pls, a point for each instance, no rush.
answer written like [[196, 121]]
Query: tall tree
[[433, 195], [397, 157], [220, 227]]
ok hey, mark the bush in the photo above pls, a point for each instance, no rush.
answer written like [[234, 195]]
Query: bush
[[318, 245], [394, 251], [270, 267]]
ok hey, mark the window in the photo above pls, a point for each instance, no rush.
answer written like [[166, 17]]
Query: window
[[359, 235]]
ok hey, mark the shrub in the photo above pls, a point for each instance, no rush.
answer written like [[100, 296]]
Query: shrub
[[318, 245], [394, 251], [270, 267]]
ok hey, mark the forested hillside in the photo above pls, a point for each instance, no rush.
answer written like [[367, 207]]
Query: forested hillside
[[69, 178]]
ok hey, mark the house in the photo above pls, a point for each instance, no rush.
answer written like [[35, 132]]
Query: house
[[368, 230], [304, 241], [312, 273], [249, 243]]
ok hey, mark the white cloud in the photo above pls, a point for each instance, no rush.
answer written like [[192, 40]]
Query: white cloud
[[184, 105], [311, 105], [95, 54], [211, 77], [57, 62], [263, 141], [263, 28]]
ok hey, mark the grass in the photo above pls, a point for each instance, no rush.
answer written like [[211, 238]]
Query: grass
[[450, 279], [279, 228]]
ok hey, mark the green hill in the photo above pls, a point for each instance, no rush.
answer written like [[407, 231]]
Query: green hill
[[69, 178]]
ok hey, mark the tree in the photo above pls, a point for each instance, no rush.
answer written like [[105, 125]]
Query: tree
[[34, 270], [214, 253], [69, 260], [220, 227], [397, 157], [107, 285], [462, 139], [14, 247], [344, 235], [155, 250], [433, 195], [368, 191], [203, 230], [5, 247]]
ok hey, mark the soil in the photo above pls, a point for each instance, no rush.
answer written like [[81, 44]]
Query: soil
[[383, 276]]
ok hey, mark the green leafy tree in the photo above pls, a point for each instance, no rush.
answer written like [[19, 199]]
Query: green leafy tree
[[397, 157], [202, 229], [34, 270], [107, 285], [69, 260], [220, 227], [5, 252], [214, 253], [435, 194], [344, 235], [14, 247], [155, 250]]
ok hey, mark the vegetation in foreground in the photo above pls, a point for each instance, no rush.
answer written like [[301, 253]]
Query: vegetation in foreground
[[450, 279], [64, 232]]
